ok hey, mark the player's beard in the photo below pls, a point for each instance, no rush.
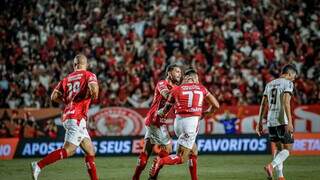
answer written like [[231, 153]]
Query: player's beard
[[175, 80]]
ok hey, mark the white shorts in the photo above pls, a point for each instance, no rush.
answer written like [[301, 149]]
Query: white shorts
[[158, 135], [186, 129], [75, 133]]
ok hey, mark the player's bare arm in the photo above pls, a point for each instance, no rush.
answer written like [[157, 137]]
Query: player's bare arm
[[213, 102], [287, 109], [262, 111], [94, 90], [56, 96]]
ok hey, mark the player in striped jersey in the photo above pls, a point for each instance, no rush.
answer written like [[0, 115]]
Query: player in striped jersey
[[276, 98]]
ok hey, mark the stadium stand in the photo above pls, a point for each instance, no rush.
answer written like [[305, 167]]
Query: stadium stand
[[236, 46]]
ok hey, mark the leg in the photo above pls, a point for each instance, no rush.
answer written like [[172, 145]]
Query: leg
[[163, 140], [278, 168], [67, 151], [87, 147], [165, 150], [285, 139], [193, 162], [143, 159], [62, 153]]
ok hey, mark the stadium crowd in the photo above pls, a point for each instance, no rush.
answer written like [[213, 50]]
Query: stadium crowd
[[26, 126], [236, 46]]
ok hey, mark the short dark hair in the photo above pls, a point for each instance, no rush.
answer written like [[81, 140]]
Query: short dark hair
[[171, 67], [289, 68], [190, 71]]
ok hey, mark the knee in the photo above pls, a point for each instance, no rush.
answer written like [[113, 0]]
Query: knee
[[90, 152], [184, 159], [169, 149], [70, 151]]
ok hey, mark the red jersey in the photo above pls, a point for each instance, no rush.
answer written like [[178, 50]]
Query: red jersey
[[76, 96], [158, 102], [188, 99]]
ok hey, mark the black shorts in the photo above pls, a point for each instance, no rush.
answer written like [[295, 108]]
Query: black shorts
[[279, 133]]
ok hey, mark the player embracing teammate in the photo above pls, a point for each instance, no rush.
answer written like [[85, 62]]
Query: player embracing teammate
[[187, 100], [156, 129], [75, 91]]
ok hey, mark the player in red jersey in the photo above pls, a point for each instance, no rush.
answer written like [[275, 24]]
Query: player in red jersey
[[187, 100], [76, 91], [156, 130]]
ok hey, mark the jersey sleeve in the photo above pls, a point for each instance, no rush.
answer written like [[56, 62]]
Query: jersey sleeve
[[92, 78], [161, 86], [288, 88], [59, 87], [172, 95]]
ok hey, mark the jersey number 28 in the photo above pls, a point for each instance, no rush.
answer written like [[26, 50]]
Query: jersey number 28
[[73, 88]]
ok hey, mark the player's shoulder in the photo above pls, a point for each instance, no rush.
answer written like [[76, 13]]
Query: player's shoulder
[[162, 82], [89, 73], [285, 82]]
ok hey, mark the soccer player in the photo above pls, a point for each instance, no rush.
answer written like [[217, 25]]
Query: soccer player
[[276, 97], [187, 100], [76, 91], [156, 130]]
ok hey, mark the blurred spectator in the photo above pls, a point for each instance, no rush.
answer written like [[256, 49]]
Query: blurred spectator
[[129, 43], [29, 130], [228, 121], [51, 129], [92, 127], [4, 131]]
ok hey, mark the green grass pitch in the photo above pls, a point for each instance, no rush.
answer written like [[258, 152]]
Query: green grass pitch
[[210, 167]]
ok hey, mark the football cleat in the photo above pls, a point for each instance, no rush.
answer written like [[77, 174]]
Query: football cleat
[[268, 168], [35, 169]]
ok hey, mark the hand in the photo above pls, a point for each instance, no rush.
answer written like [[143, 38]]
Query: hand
[[290, 128], [160, 113], [259, 129]]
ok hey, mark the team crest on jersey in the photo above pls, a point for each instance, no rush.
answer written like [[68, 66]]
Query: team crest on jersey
[[118, 121]]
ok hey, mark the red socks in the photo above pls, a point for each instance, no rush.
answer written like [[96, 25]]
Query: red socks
[[142, 162], [62, 154], [161, 154], [91, 167], [171, 160], [193, 167], [53, 157]]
